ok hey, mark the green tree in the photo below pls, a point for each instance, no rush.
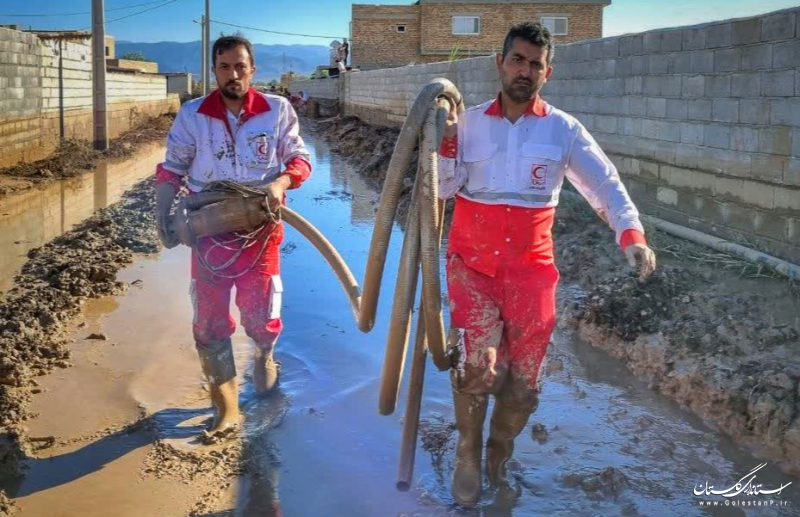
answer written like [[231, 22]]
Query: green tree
[[134, 56]]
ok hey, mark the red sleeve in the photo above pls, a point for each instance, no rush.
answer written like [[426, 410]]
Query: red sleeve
[[163, 175], [449, 147], [632, 236], [298, 170]]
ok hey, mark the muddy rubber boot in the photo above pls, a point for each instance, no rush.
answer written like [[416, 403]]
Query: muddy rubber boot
[[266, 371], [470, 413], [220, 370], [508, 420]]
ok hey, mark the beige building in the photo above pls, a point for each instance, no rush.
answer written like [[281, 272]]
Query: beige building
[[432, 30]]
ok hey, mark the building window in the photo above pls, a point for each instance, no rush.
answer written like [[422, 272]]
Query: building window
[[400, 28], [108, 51], [466, 25], [556, 26]]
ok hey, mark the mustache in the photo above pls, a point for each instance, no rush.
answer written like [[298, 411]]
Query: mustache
[[525, 82], [234, 83]]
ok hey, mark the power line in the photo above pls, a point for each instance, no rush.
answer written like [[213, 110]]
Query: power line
[[163, 4], [80, 13], [274, 32]]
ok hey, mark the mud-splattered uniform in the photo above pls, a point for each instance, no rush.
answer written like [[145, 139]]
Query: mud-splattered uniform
[[501, 276], [209, 143]]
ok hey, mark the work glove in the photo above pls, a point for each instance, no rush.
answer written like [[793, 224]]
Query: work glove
[[165, 195], [642, 258]]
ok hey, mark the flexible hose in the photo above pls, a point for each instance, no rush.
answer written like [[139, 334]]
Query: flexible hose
[[424, 126]]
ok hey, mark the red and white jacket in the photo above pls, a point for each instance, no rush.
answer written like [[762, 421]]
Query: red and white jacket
[[507, 179], [209, 143]]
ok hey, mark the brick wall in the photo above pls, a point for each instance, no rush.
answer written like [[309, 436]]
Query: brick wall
[[585, 22], [429, 29], [703, 122], [375, 40], [149, 67], [31, 93]]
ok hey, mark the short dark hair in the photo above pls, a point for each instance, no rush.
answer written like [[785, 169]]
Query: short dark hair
[[532, 32], [224, 43]]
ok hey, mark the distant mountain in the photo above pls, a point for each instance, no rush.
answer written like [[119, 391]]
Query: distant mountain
[[185, 57]]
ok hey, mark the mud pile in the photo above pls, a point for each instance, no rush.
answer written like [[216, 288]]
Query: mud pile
[[7, 506], [74, 157], [694, 329], [49, 290]]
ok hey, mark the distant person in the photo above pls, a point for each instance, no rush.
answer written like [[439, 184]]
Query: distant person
[[505, 162], [334, 51], [344, 51], [233, 134]]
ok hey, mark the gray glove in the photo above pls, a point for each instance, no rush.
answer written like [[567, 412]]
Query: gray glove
[[165, 196]]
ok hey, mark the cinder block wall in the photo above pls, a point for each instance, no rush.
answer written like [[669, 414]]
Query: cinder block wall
[[31, 98], [318, 88], [703, 122]]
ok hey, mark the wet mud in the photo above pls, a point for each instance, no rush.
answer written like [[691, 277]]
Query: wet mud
[[74, 157], [716, 334], [42, 306]]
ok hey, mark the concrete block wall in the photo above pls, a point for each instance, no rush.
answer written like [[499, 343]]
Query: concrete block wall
[[35, 94], [703, 122], [318, 88]]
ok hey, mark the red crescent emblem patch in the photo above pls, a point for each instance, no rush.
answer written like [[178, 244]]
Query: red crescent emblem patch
[[539, 176]]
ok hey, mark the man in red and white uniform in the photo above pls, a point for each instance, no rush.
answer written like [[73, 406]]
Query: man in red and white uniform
[[235, 134], [505, 162]]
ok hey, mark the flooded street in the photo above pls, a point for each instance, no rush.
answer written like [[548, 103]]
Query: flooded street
[[601, 442]]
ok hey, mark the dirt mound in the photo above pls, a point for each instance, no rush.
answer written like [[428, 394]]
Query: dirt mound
[[75, 157]]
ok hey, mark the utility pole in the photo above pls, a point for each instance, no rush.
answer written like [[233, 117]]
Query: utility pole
[[207, 47], [203, 54], [99, 76]]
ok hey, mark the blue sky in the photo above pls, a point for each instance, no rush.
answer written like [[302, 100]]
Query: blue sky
[[173, 22]]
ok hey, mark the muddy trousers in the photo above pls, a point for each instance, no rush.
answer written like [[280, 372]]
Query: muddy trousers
[[500, 330], [258, 296], [259, 293]]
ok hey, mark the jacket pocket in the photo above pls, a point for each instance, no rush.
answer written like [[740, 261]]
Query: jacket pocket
[[479, 162], [538, 166]]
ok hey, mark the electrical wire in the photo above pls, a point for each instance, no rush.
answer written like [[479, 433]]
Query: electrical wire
[[80, 13], [274, 32]]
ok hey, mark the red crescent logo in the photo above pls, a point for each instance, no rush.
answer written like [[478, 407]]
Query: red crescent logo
[[263, 148], [539, 171]]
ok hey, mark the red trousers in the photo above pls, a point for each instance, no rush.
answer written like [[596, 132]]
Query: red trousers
[[258, 293], [502, 324]]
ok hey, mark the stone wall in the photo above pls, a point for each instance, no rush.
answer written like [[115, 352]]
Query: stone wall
[[47, 81], [703, 122]]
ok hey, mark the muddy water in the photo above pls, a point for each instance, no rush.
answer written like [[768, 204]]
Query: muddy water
[[319, 447], [33, 217]]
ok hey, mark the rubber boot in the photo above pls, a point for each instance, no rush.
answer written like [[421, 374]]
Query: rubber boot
[[220, 370], [470, 414], [266, 371], [508, 420]]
